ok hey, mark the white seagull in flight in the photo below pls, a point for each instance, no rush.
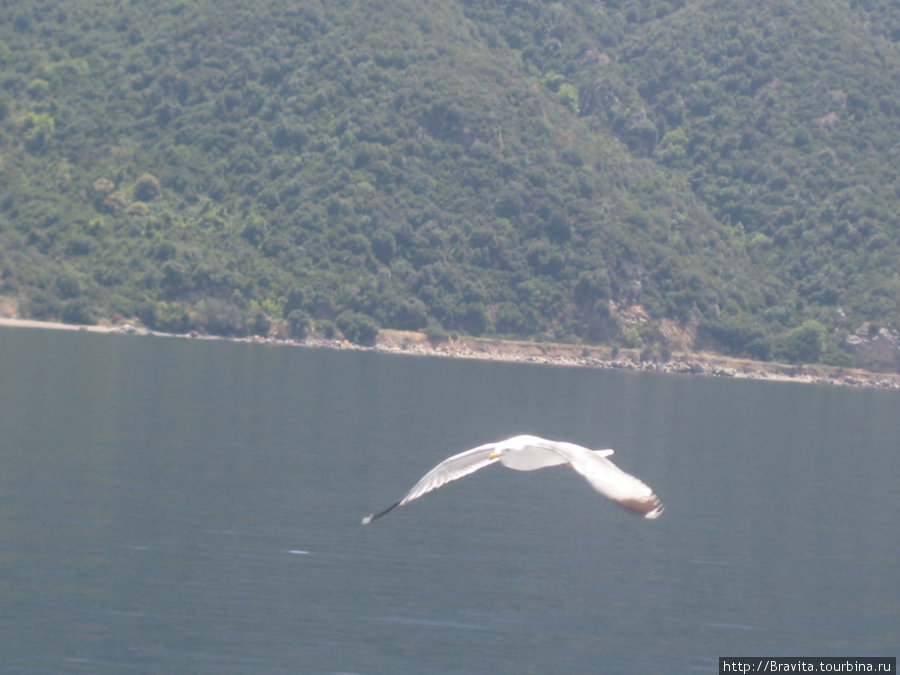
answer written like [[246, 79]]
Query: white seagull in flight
[[527, 453]]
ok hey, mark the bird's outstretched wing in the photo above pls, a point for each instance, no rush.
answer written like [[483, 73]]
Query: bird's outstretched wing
[[526, 453], [609, 480], [457, 466]]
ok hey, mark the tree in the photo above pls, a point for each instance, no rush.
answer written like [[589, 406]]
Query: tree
[[37, 128]]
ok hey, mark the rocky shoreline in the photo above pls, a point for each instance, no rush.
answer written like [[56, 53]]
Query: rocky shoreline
[[565, 355], [705, 364]]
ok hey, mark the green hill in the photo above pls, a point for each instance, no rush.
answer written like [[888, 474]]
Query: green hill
[[578, 171]]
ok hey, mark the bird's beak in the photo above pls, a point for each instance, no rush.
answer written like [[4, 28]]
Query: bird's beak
[[494, 455]]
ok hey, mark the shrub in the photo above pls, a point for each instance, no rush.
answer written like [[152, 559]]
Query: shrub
[[299, 322], [38, 88], [803, 344], [220, 317], [76, 311], [116, 202], [384, 246], [147, 188], [476, 320], [568, 95], [326, 327], [358, 328], [261, 324], [137, 209], [737, 336], [172, 317], [436, 333], [101, 189]]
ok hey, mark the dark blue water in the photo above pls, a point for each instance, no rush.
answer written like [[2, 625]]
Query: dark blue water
[[178, 506]]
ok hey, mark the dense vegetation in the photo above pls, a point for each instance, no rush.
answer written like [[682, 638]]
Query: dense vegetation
[[518, 168]]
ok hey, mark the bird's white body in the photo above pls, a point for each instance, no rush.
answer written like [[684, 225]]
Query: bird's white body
[[528, 453], [537, 458]]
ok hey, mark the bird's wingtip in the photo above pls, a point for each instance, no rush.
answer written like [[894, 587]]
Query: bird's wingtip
[[367, 519]]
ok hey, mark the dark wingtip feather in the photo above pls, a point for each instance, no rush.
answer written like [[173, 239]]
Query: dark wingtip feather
[[375, 516]]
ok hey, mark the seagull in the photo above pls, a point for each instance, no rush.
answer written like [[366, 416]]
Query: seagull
[[527, 453]]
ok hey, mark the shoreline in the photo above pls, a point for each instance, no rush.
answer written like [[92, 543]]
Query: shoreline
[[554, 354]]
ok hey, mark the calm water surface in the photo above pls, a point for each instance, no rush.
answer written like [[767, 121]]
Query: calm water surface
[[186, 506]]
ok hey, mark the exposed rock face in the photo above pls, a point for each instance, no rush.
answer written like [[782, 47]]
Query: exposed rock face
[[875, 347]]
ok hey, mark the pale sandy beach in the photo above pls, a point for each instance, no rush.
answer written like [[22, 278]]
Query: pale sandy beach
[[565, 355]]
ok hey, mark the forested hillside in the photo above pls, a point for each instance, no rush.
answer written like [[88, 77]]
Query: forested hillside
[[645, 172]]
